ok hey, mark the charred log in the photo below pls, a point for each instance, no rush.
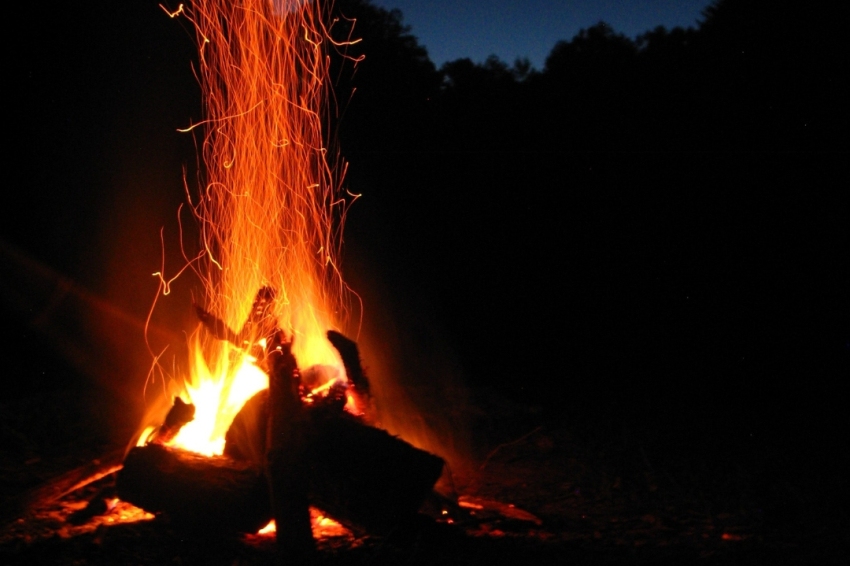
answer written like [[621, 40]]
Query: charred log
[[286, 440], [350, 355], [332, 404], [361, 476], [259, 324], [217, 327], [180, 414], [196, 492], [246, 438], [365, 478], [283, 453]]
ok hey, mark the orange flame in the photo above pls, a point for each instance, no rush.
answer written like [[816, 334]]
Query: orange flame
[[270, 210]]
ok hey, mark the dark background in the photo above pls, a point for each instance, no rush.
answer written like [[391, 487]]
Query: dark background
[[644, 235]]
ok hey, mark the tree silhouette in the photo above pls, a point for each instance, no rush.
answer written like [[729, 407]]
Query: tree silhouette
[[594, 50], [394, 83]]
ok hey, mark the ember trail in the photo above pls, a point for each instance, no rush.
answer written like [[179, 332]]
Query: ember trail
[[269, 208], [261, 430]]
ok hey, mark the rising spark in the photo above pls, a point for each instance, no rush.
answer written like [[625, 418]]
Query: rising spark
[[270, 208]]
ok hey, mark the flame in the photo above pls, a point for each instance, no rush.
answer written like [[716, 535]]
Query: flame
[[323, 527], [269, 208], [218, 394]]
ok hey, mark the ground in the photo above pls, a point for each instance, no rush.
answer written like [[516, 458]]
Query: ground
[[543, 491]]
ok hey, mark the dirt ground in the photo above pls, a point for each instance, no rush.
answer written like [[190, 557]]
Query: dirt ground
[[542, 492]]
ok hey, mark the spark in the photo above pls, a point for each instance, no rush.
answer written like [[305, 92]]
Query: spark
[[270, 208]]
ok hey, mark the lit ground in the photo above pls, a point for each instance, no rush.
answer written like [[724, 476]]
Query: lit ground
[[547, 494]]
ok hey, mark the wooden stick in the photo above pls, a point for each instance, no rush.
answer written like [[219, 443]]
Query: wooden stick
[[180, 414], [350, 355], [361, 476], [259, 324], [286, 470]]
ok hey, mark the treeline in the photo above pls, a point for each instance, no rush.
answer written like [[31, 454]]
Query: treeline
[[634, 208], [753, 75]]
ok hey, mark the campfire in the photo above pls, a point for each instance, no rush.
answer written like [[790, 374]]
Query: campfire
[[273, 414], [287, 448], [269, 422]]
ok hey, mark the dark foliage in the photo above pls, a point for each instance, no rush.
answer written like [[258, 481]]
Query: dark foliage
[[653, 223], [396, 84]]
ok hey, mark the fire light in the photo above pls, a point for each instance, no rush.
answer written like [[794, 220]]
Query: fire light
[[217, 398], [269, 208]]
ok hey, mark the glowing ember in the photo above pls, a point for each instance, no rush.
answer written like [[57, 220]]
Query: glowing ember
[[323, 527], [268, 529], [270, 209]]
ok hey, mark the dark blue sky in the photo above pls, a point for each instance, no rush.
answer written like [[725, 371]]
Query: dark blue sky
[[451, 29]]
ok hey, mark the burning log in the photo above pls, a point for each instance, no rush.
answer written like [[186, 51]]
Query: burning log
[[283, 453], [258, 324], [363, 477], [246, 438], [181, 413], [217, 327], [350, 356], [285, 466], [196, 492]]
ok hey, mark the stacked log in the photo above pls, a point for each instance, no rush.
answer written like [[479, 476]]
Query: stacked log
[[365, 478], [197, 493], [286, 443], [362, 477], [282, 455]]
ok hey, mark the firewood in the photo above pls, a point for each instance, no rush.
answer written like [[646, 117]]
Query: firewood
[[181, 413], [286, 468], [350, 355], [246, 438], [361, 476], [196, 492], [217, 327], [259, 324], [364, 477]]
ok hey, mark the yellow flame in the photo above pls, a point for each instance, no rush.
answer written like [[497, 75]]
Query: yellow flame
[[218, 394]]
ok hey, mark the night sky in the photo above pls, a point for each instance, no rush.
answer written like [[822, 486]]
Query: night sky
[[452, 29]]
